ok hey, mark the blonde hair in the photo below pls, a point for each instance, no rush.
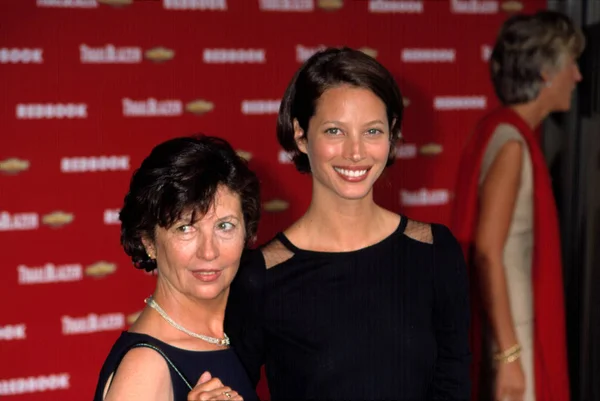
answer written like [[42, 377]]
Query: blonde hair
[[528, 45]]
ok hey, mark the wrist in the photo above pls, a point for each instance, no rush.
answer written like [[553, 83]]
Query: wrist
[[509, 354]]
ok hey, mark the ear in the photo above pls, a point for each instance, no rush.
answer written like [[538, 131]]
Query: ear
[[392, 125], [150, 248], [547, 76], [299, 137]]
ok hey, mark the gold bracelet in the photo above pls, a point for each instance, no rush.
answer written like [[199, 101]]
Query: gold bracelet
[[511, 358], [509, 355]]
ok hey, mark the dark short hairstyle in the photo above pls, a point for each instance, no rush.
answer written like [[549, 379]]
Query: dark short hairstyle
[[327, 69], [179, 176], [527, 45]]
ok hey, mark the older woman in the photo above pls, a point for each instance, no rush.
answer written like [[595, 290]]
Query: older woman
[[506, 218], [192, 207]]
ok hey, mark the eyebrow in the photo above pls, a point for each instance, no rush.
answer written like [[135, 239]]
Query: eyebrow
[[229, 216], [188, 218], [341, 123]]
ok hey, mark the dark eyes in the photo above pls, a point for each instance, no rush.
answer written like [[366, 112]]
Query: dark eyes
[[335, 131]]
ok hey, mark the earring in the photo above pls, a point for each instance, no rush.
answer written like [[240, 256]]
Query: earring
[[150, 256]]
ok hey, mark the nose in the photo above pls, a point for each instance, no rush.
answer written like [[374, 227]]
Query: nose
[[354, 148], [577, 74], [208, 248]]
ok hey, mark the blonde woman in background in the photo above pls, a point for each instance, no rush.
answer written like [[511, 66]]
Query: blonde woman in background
[[506, 217]]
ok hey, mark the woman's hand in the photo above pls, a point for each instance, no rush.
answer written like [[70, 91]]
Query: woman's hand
[[209, 388], [510, 381]]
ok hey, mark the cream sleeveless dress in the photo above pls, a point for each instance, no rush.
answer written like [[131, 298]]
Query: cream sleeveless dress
[[517, 255]]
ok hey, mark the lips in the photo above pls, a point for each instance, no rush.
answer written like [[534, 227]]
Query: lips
[[207, 276], [355, 173], [352, 174]]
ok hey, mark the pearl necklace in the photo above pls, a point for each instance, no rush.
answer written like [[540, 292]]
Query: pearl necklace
[[152, 303]]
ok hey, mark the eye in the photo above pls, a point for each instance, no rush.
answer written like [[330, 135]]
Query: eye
[[332, 131], [226, 226], [186, 228], [374, 131]]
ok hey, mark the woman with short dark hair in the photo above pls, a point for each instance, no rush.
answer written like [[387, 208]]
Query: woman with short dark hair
[[506, 217], [353, 302], [331, 69], [192, 208]]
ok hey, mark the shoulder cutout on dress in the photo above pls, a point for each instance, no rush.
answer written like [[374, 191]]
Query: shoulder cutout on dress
[[419, 231], [275, 253]]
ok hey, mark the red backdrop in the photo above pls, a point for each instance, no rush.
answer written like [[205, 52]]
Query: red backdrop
[[90, 86]]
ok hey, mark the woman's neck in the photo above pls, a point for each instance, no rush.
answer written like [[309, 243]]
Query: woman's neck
[[198, 316], [339, 225], [533, 113]]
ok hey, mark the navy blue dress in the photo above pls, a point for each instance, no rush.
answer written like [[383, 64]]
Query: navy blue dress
[[223, 364], [386, 322]]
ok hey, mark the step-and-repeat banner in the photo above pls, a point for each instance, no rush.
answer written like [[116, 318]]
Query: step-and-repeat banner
[[88, 87]]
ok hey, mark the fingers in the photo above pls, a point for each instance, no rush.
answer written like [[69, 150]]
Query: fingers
[[501, 394], [509, 394], [221, 393], [201, 388], [517, 395], [206, 376], [229, 395], [218, 394], [209, 388]]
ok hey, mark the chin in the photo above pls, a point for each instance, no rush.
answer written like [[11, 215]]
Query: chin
[[561, 109], [208, 294], [354, 195]]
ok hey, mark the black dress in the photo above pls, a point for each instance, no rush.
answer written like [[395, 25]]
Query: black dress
[[223, 364], [386, 322]]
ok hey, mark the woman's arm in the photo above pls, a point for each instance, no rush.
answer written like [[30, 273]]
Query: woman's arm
[[143, 374], [497, 202], [244, 316], [451, 317]]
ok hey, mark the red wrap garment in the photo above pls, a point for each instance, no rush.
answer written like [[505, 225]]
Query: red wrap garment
[[549, 342]]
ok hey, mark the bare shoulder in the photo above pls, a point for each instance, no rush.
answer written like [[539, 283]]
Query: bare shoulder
[[504, 148], [507, 164], [275, 253], [419, 231], [502, 134], [511, 150], [437, 234], [143, 374], [506, 145]]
